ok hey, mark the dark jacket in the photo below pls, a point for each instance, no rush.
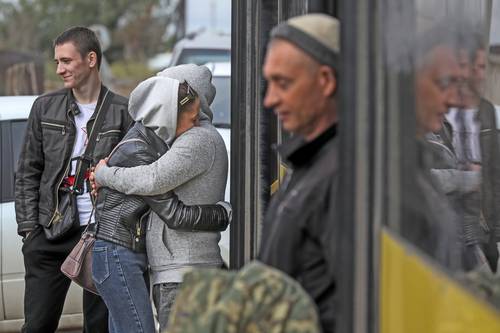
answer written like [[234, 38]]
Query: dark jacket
[[297, 230], [121, 218], [47, 148], [490, 168], [482, 220], [428, 220], [461, 187]]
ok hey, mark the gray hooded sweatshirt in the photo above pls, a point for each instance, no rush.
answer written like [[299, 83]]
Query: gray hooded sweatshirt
[[196, 169]]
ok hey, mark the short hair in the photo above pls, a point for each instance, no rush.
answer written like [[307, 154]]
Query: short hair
[[186, 96], [84, 39], [444, 34]]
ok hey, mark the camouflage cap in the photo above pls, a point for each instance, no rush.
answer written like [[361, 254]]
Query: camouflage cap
[[257, 298]]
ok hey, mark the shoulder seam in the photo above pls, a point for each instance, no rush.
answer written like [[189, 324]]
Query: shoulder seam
[[61, 92]]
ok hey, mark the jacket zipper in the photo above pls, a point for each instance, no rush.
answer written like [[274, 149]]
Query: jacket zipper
[[62, 127], [107, 132], [56, 217], [138, 229], [138, 233]]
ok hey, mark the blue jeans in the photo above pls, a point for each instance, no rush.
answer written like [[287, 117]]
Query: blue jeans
[[121, 277]]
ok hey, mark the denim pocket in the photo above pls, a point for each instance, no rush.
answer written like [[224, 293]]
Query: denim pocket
[[100, 266]]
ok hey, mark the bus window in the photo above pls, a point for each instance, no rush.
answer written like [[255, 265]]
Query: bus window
[[444, 161]]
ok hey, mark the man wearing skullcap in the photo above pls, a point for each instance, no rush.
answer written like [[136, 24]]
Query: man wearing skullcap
[[301, 71]]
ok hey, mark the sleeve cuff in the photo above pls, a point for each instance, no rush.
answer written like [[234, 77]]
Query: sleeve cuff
[[24, 227], [103, 173]]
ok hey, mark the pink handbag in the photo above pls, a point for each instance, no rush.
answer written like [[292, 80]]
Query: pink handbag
[[78, 264]]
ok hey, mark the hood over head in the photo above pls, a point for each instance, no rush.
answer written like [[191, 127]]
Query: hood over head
[[200, 79], [154, 103]]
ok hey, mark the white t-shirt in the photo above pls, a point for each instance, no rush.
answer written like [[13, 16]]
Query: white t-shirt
[[466, 127], [83, 201]]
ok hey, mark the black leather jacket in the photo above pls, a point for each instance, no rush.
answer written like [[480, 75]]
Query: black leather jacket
[[299, 230], [121, 218], [47, 148], [490, 185]]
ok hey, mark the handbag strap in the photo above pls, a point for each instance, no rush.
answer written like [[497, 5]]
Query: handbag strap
[[86, 230], [85, 160]]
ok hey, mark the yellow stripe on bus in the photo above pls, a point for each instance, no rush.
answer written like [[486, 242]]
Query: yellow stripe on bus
[[416, 297]]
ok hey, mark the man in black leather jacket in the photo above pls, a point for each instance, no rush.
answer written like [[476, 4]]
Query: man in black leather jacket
[[297, 236], [55, 134]]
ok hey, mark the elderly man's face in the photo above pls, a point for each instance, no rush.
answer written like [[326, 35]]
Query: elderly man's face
[[437, 88], [296, 90]]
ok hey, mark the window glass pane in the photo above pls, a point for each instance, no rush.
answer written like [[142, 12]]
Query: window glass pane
[[222, 102], [446, 159], [12, 139], [6, 159]]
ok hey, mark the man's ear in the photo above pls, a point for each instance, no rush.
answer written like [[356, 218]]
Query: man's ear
[[327, 80], [92, 59]]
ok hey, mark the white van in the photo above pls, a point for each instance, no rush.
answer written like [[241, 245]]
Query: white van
[[202, 48]]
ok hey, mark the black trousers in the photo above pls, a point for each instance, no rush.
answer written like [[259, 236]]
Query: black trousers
[[46, 287]]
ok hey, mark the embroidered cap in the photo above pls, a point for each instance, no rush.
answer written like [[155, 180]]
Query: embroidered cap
[[316, 34]]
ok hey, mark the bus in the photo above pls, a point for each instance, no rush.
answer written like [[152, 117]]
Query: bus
[[385, 282]]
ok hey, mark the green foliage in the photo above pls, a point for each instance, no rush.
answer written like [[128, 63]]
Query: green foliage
[[127, 74], [130, 70], [137, 30], [136, 27]]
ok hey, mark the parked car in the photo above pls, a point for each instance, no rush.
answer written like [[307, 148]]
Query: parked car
[[202, 48], [14, 111]]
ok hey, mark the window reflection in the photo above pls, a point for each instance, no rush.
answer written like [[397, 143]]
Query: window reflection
[[452, 210]]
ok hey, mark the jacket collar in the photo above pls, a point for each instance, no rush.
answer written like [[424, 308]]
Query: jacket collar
[[72, 106], [298, 152]]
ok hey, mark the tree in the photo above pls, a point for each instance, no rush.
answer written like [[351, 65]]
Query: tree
[[137, 27]]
